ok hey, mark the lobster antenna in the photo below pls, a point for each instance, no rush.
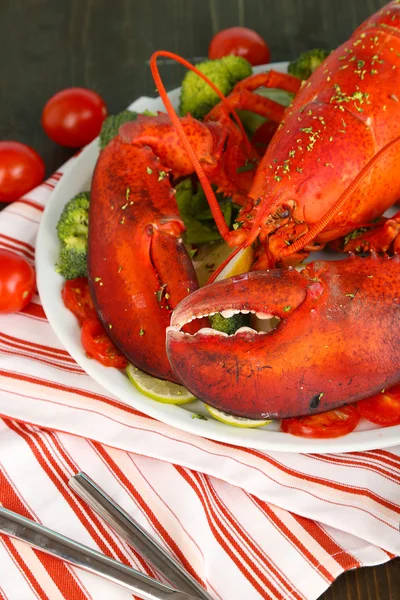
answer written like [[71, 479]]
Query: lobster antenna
[[213, 202], [340, 202]]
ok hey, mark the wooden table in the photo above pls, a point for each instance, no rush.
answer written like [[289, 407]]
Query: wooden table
[[47, 45]]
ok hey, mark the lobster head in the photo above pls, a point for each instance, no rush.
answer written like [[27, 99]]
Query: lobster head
[[335, 320], [233, 161], [227, 159]]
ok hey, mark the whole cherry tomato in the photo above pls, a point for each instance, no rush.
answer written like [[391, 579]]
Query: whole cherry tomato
[[21, 169], [240, 41], [382, 409], [17, 282], [73, 117], [331, 424], [77, 298], [99, 346]]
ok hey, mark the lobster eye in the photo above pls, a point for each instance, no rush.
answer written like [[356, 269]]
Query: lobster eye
[[285, 209], [284, 212]]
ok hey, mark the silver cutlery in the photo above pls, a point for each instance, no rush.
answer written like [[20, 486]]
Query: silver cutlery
[[135, 535], [86, 558]]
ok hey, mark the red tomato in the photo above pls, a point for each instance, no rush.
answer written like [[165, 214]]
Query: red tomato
[[99, 346], [382, 409], [331, 424], [77, 299], [73, 117], [240, 41], [17, 282], [21, 169]]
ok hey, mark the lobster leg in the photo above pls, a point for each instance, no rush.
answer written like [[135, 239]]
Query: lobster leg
[[242, 97], [379, 239], [272, 79], [246, 100]]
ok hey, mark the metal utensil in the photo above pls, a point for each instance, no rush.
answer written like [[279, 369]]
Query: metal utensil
[[86, 558], [135, 535]]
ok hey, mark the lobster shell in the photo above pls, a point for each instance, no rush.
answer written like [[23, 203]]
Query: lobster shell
[[337, 341]]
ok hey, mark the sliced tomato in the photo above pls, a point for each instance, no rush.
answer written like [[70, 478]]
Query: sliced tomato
[[382, 409], [77, 299], [99, 346], [331, 424]]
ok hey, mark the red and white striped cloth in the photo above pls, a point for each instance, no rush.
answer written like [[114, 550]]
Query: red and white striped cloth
[[248, 524]]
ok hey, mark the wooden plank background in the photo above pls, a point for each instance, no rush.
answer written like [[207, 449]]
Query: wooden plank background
[[105, 45], [47, 45]]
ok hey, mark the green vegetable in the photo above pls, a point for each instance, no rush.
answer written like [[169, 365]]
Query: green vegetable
[[354, 234], [72, 230], [74, 219], [231, 324], [73, 258], [197, 98], [196, 214], [198, 416], [251, 121], [307, 62], [112, 124]]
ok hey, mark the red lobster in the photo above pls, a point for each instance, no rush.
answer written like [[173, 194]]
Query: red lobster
[[139, 269], [329, 169]]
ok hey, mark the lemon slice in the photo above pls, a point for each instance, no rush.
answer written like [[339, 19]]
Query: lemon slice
[[241, 263], [235, 421], [209, 258], [158, 389]]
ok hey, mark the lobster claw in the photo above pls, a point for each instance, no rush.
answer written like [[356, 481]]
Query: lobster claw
[[337, 319], [138, 265]]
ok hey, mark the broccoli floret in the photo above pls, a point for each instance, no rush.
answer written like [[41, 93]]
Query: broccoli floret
[[73, 229], [307, 62], [196, 214], [112, 124], [74, 219], [197, 98], [73, 258], [229, 325], [238, 67]]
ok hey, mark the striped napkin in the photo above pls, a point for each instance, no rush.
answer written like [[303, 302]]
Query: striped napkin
[[248, 524]]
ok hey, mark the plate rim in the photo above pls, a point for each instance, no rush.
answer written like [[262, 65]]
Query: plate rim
[[260, 439]]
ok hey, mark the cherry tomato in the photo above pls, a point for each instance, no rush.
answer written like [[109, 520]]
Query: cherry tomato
[[73, 117], [240, 41], [99, 346], [382, 409], [21, 169], [331, 424], [77, 299], [17, 282]]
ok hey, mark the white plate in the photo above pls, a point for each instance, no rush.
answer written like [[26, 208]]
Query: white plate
[[77, 179]]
